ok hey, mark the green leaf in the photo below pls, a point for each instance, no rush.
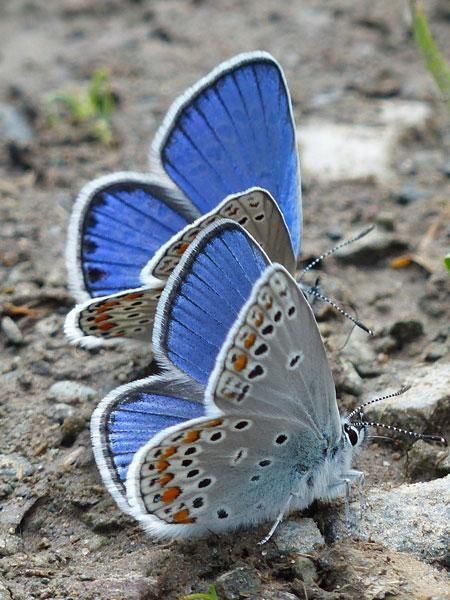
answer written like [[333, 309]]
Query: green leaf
[[210, 595], [447, 262], [434, 60]]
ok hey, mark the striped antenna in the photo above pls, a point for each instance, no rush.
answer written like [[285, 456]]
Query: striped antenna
[[333, 250], [414, 434], [313, 292]]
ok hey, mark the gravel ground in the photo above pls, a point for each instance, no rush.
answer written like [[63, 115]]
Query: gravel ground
[[382, 157]]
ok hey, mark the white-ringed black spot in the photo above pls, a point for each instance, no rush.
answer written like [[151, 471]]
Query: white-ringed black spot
[[241, 425], [255, 478], [190, 450], [222, 513], [277, 316], [257, 371], [291, 311], [259, 217], [216, 436], [261, 349], [293, 361], [156, 498], [193, 473], [157, 452], [204, 482], [178, 437], [267, 330], [198, 502], [281, 439], [187, 462], [265, 463], [243, 221]]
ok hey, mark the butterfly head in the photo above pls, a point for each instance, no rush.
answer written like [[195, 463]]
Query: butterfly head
[[353, 433]]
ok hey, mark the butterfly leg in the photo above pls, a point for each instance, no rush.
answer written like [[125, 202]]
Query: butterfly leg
[[278, 520]]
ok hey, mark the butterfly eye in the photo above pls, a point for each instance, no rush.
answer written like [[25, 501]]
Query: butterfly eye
[[352, 434]]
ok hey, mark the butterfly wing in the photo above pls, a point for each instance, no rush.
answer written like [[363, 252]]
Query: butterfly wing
[[118, 222], [218, 473], [130, 415], [231, 131], [273, 361], [254, 209], [128, 314], [203, 297]]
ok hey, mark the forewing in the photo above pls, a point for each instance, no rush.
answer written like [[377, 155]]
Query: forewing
[[218, 473], [231, 131], [255, 210], [204, 296], [273, 361], [130, 416], [118, 222], [129, 314]]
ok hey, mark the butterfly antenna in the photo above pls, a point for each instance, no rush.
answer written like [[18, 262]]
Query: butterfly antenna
[[414, 434], [312, 264], [359, 408], [313, 292]]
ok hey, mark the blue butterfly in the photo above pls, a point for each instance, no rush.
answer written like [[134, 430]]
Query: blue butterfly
[[227, 148], [243, 425]]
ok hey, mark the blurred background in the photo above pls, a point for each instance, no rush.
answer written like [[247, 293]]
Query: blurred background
[[84, 86]]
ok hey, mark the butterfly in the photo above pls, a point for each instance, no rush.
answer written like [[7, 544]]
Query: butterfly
[[226, 149], [243, 424]]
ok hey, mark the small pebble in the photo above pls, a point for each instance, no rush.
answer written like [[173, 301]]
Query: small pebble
[[71, 392], [233, 585], [405, 332], [12, 331], [298, 536]]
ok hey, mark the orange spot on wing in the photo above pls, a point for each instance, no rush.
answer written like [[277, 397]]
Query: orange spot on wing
[[106, 326], [161, 465], [240, 362], [168, 452], [214, 423], [250, 340], [133, 296], [106, 306], [170, 494], [165, 479], [102, 317], [182, 516], [269, 303], [191, 436], [259, 319], [182, 248]]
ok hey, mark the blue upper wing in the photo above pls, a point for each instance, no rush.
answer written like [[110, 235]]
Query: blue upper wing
[[203, 297], [130, 416], [234, 130], [118, 223]]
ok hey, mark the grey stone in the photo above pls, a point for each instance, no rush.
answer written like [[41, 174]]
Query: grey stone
[[15, 466], [298, 536], [373, 249], [60, 411], [435, 352], [305, 569], [243, 581], [131, 586], [347, 379], [13, 125], [426, 461], [410, 518], [5, 594], [386, 220], [12, 331], [424, 407], [10, 544], [71, 392]]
